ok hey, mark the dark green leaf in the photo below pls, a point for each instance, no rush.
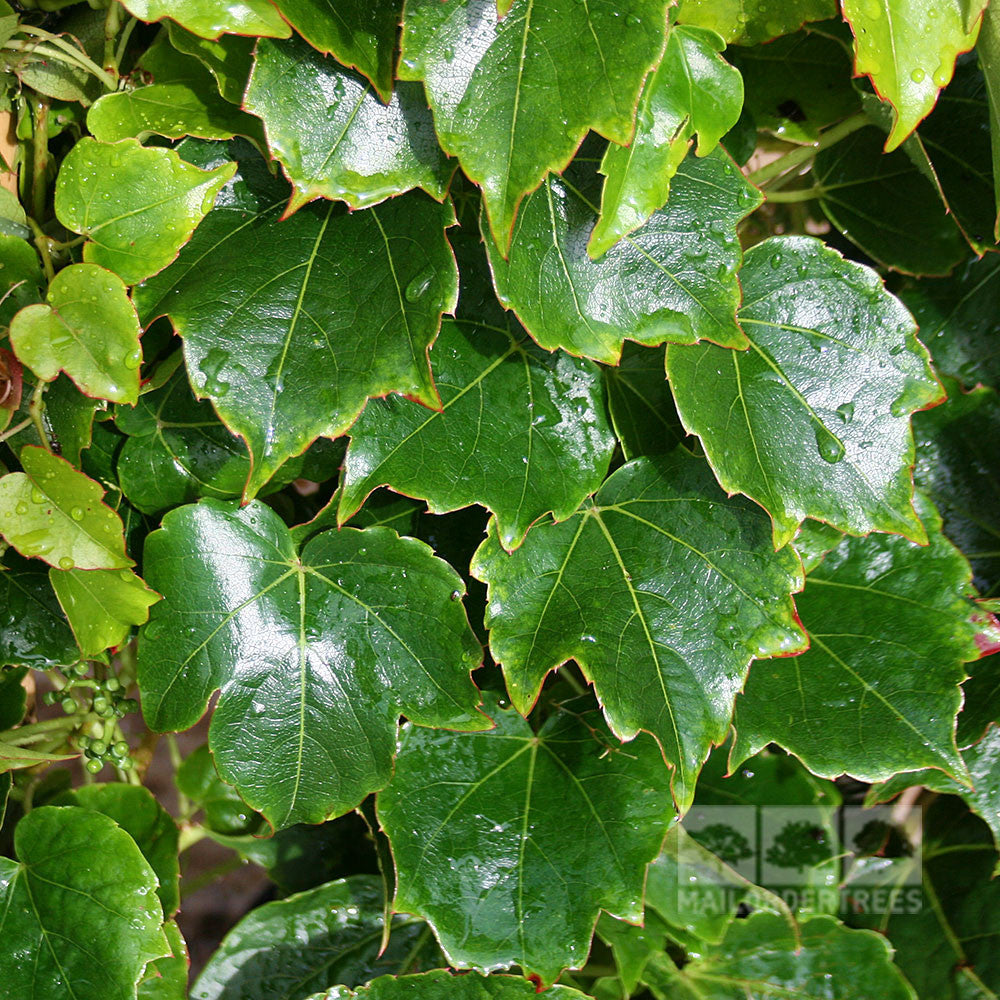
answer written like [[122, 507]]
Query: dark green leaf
[[327, 308], [988, 51], [22, 279], [167, 978], [442, 985], [674, 279], [211, 18], [813, 420], [13, 697], [33, 629], [479, 824], [70, 418], [73, 863], [225, 812], [334, 136], [229, 58], [513, 98], [317, 655]]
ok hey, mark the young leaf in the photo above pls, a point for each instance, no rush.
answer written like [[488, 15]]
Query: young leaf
[[317, 654], [478, 826], [303, 943], [751, 22], [908, 48], [520, 431], [53, 512], [334, 136], [102, 605], [513, 98], [335, 306], [694, 90], [813, 420], [72, 861], [88, 328], [673, 280], [138, 206], [442, 985], [211, 18], [229, 58], [33, 629], [690, 592], [357, 33], [890, 624]]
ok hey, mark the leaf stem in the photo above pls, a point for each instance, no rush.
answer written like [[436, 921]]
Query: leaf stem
[[799, 194], [112, 25], [35, 409], [16, 429], [66, 52], [190, 835], [44, 247], [123, 41], [40, 156], [803, 154]]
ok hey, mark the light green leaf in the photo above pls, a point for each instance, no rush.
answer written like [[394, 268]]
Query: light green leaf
[[137, 206], [317, 654], [328, 308], [357, 33], [211, 18], [690, 592], [12, 758], [890, 624], [53, 512], [334, 136], [813, 420], [442, 985], [693, 91], [229, 58], [672, 280], [908, 48], [750, 22], [71, 861], [512, 99], [102, 605], [88, 328], [479, 830], [330, 934]]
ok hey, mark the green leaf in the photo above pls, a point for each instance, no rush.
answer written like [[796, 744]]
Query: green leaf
[[72, 863], [766, 955], [21, 279], [674, 279], [182, 99], [442, 985], [70, 418], [306, 942], [317, 654], [333, 135], [102, 605], [12, 758], [887, 206], [148, 824], [88, 328], [988, 51], [908, 49], [512, 100], [137, 206], [478, 826], [229, 58], [813, 420], [355, 32], [33, 629], [878, 691], [335, 306], [225, 812], [167, 978], [177, 450], [53, 512], [693, 90], [751, 22], [641, 404], [13, 697], [211, 18], [521, 431], [691, 590]]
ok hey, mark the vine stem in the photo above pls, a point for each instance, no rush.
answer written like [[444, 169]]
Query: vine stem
[[66, 51], [44, 246], [803, 154], [40, 157], [799, 194], [16, 429], [112, 25], [35, 409]]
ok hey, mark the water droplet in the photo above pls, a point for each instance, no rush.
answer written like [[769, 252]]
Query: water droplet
[[829, 446], [66, 563], [632, 20], [133, 359], [775, 261], [22, 508], [37, 496], [846, 412], [419, 285], [917, 75], [126, 575]]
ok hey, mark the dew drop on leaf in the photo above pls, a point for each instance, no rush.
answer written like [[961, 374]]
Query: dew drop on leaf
[[829, 446]]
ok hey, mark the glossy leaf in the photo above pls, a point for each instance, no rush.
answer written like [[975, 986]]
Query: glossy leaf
[[878, 691], [317, 655], [102, 605], [691, 590], [988, 51], [693, 90], [137, 206], [53, 512], [225, 812], [834, 363], [520, 431], [908, 48], [22, 281], [88, 328], [673, 280], [513, 98], [751, 22], [177, 450], [303, 290], [70, 860], [228, 58], [33, 629], [355, 32], [306, 942], [211, 18], [442, 985], [478, 828], [167, 978], [334, 136]]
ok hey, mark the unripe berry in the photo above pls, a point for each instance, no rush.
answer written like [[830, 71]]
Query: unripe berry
[[81, 670], [93, 766], [69, 705], [112, 684]]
